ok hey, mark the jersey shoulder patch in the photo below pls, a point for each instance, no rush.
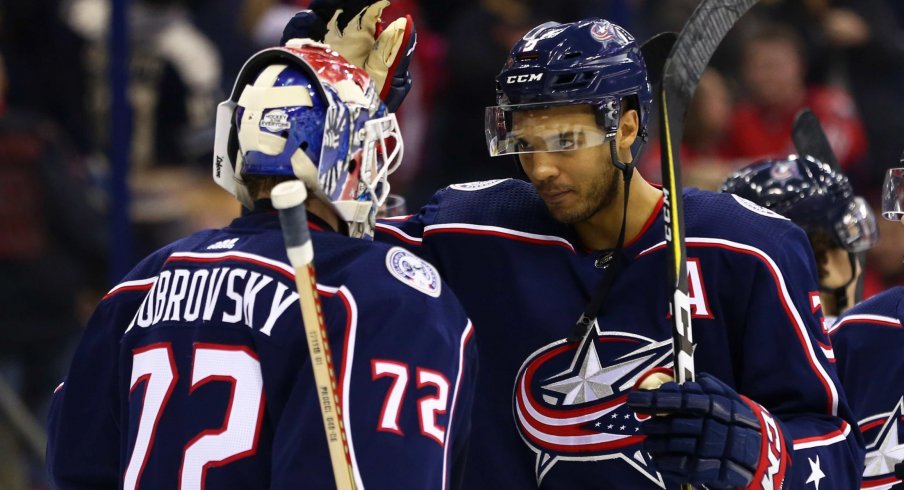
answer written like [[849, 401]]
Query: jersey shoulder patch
[[476, 186], [756, 208], [414, 271]]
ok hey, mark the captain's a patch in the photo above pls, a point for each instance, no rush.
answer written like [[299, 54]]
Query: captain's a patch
[[413, 271]]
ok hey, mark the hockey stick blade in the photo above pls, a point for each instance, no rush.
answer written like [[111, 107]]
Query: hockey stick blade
[[288, 198], [810, 139], [655, 51], [697, 41]]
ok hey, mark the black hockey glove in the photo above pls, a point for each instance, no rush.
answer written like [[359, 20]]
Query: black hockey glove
[[704, 433], [354, 29]]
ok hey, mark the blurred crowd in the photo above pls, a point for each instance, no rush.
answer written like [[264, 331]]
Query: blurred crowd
[[842, 58]]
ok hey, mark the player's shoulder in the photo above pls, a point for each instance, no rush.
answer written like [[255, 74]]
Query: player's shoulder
[[882, 311], [148, 268], [504, 203], [731, 217], [380, 271]]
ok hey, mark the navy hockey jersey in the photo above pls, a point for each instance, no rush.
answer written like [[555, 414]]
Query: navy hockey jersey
[[869, 344], [194, 371], [550, 414]]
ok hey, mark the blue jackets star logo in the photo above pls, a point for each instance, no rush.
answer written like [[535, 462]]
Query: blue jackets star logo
[[569, 400], [886, 449]]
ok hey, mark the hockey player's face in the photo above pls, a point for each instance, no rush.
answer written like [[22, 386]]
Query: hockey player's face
[[575, 184]]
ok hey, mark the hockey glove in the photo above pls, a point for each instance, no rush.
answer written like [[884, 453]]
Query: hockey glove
[[704, 433], [353, 28]]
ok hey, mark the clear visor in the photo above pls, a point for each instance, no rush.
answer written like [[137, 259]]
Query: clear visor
[[383, 153], [512, 130], [893, 195], [857, 229]]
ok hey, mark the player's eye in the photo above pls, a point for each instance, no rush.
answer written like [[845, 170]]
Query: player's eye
[[566, 141], [521, 145]]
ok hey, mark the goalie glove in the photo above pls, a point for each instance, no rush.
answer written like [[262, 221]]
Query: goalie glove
[[354, 29], [704, 433]]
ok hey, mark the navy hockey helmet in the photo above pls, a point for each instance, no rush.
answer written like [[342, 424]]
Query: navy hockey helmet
[[592, 61], [303, 111], [812, 195]]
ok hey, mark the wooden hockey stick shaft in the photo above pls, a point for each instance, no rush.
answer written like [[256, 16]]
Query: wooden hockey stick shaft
[[288, 198]]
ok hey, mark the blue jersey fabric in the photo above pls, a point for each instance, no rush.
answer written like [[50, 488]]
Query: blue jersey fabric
[[194, 372], [550, 414], [869, 344]]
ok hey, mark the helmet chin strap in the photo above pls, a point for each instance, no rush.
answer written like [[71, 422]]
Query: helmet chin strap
[[582, 327], [840, 293]]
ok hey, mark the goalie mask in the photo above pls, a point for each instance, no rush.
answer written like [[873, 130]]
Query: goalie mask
[[303, 111]]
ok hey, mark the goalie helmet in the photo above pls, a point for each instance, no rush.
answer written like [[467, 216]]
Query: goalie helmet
[[592, 61], [812, 195], [303, 111]]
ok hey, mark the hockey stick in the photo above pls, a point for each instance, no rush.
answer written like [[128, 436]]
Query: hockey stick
[[288, 198], [810, 139], [696, 43]]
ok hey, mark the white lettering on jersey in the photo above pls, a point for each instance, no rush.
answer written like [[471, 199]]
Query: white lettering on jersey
[[756, 208], [224, 244], [773, 452], [476, 186], [179, 294], [413, 271], [696, 291]]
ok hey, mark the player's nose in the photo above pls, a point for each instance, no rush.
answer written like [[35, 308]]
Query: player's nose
[[544, 166]]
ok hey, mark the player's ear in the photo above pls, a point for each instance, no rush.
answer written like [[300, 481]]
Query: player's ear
[[628, 126]]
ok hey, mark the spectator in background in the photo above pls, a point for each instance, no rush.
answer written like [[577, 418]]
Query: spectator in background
[[702, 165], [773, 71], [175, 76], [52, 255]]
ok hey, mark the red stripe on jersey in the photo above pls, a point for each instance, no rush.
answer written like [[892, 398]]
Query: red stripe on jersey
[[786, 305], [652, 218], [230, 257], [825, 437], [141, 285], [501, 234]]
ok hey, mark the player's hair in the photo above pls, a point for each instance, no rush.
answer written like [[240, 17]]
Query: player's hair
[[260, 186], [821, 241]]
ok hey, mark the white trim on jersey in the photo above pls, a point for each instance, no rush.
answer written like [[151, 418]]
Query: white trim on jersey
[[784, 296], [347, 360], [504, 232], [826, 440], [392, 230], [465, 338], [137, 284], [237, 254], [866, 318]]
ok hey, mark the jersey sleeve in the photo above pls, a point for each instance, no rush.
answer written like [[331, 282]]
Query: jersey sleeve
[[406, 371], [408, 231], [788, 368], [83, 446]]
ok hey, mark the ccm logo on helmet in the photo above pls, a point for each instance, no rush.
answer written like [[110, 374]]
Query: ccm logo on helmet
[[528, 77]]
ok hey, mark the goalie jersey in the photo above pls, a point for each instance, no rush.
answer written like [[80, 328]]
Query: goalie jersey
[[869, 344], [194, 371], [551, 413]]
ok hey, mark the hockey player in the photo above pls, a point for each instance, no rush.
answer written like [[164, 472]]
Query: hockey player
[[525, 259], [868, 341], [194, 371], [819, 199]]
